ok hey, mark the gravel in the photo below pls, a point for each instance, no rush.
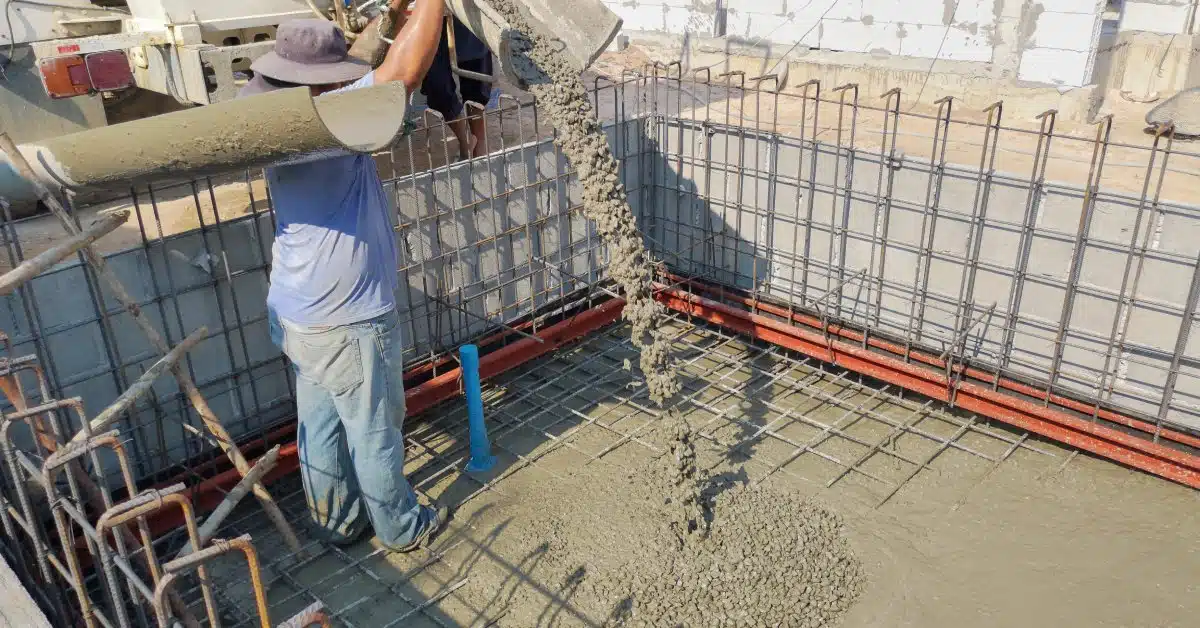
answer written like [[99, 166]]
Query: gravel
[[744, 557], [769, 559], [560, 91]]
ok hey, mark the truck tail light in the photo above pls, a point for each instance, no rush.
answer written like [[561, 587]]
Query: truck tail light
[[65, 77], [76, 75], [109, 70]]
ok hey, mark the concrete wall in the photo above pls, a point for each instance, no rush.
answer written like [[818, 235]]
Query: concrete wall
[[927, 269], [1056, 39], [1151, 50], [1045, 42], [1149, 66]]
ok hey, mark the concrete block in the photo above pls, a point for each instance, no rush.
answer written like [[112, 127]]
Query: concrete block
[[642, 17], [859, 37], [1075, 6], [964, 45], [803, 29], [686, 20], [974, 13], [772, 7], [773, 28], [1064, 31], [1055, 67], [906, 11], [1154, 17], [945, 42], [919, 40], [840, 10]]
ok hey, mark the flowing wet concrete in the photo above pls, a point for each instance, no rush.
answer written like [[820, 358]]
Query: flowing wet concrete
[[568, 526], [281, 126]]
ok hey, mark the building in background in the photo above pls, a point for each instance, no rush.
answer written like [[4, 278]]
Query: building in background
[[1069, 54]]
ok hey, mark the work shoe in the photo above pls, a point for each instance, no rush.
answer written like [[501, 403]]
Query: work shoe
[[435, 518]]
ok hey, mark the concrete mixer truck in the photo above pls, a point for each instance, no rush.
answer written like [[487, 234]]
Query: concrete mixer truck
[[71, 65]]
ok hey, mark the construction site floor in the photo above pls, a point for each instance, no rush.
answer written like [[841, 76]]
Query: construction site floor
[[958, 522]]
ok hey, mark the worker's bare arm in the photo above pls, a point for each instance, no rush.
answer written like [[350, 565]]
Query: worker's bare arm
[[415, 45]]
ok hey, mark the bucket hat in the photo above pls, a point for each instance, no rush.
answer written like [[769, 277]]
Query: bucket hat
[[307, 52]]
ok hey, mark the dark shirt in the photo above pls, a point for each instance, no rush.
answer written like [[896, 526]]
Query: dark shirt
[[467, 45]]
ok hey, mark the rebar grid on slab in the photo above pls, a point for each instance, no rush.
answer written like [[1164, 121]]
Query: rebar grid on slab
[[578, 399], [725, 136]]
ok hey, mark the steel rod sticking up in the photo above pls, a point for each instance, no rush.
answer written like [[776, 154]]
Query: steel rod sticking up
[[211, 422]]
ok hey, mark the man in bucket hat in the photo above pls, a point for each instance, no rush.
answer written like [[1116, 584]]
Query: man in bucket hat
[[331, 301]]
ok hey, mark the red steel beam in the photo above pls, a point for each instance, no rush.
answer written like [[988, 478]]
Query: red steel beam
[[280, 434], [208, 494], [1009, 384], [1046, 421], [1056, 424]]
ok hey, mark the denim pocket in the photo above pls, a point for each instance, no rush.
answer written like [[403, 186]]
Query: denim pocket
[[332, 360], [275, 329]]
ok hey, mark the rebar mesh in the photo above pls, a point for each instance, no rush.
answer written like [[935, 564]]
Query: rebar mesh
[[1061, 262]]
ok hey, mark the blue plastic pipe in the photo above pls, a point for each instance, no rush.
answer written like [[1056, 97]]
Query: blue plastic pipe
[[481, 448]]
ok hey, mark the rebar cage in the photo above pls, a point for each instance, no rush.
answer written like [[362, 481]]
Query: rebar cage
[[1041, 278]]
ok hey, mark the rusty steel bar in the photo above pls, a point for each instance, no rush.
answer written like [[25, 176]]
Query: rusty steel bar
[[1140, 453], [60, 458], [1128, 304], [35, 266], [197, 560], [1033, 199], [207, 416], [889, 162], [1086, 214], [929, 219], [839, 232], [979, 212], [66, 455], [152, 501], [93, 539]]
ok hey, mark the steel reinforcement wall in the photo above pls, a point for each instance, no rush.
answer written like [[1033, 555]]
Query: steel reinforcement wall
[[1079, 289]]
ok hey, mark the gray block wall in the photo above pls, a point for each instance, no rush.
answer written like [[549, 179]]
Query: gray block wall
[[475, 242], [937, 253]]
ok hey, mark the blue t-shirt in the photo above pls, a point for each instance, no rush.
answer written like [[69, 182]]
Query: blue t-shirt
[[335, 251]]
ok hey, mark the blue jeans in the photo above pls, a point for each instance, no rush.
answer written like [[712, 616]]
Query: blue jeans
[[350, 401]]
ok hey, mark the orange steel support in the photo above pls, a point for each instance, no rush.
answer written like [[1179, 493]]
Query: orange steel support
[[853, 335], [1052, 423], [208, 494], [1051, 416]]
